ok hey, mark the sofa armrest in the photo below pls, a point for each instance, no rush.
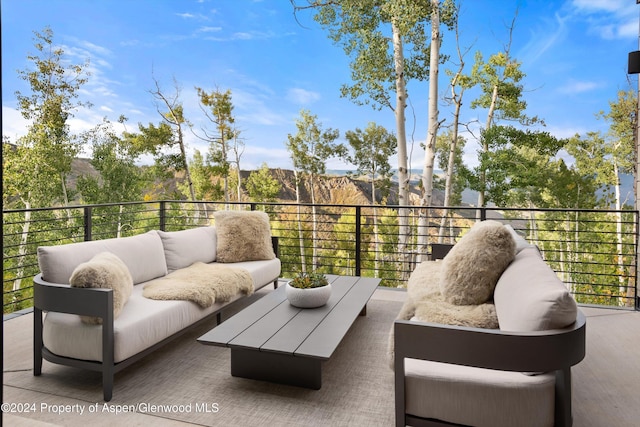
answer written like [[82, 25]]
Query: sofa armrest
[[64, 298], [540, 351], [97, 302]]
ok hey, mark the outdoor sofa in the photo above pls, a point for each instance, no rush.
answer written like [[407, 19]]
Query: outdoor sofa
[[514, 372], [91, 326]]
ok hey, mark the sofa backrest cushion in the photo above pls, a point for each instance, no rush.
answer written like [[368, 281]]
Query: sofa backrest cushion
[[521, 242], [107, 271], [183, 248], [472, 267], [143, 255], [529, 296], [243, 236]]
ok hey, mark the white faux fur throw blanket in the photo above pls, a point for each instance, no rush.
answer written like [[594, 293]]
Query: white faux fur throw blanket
[[204, 284]]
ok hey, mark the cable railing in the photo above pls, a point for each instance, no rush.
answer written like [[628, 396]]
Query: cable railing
[[593, 251]]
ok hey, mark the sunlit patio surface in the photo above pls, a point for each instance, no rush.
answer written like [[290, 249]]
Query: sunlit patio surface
[[186, 383]]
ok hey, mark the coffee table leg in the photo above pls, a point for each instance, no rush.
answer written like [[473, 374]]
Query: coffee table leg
[[276, 367]]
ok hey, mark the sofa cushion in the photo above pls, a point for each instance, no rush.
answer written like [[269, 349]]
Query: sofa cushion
[[185, 247], [104, 270], [472, 267], [521, 242], [243, 236], [143, 255], [530, 297], [479, 397]]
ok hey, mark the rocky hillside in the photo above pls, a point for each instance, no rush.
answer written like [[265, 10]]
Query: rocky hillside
[[332, 189]]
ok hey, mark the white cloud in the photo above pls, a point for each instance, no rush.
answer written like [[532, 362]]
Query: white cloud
[[574, 87], [544, 38], [251, 35], [255, 155], [601, 5], [244, 36], [609, 19], [302, 96], [209, 29], [13, 124]]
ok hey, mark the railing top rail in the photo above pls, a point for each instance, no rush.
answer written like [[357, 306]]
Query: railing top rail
[[334, 205]]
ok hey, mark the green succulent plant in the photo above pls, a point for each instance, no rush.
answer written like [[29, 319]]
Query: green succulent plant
[[309, 280]]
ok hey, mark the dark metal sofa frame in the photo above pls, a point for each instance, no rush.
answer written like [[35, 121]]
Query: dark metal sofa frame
[[96, 302], [544, 351]]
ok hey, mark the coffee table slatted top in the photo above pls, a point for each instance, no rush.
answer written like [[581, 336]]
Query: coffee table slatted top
[[271, 324]]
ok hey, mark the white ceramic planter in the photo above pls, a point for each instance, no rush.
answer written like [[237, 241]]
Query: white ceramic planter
[[308, 298]]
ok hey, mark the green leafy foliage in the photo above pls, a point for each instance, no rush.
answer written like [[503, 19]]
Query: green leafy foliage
[[372, 149], [261, 186]]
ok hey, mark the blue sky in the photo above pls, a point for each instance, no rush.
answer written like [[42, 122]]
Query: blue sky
[[574, 53]]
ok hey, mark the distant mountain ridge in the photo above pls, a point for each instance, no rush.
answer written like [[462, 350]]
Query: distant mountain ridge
[[339, 186]]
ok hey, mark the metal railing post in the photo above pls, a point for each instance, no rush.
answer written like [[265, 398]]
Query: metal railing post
[[163, 215], [637, 242], [88, 224], [358, 238]]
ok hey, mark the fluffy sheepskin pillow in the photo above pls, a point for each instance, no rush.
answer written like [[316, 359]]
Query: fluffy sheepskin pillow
[[105, 270], [425, 302], [472, 268], [243, 236]]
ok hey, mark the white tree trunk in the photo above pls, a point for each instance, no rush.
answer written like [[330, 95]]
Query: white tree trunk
[[448, 182], [303, 261], [485, 147], [314, 224], [375, 227], [22, 249], [401, 134], [448, 185], [237, 154], [432, 133], [65, 197], [620, 256]]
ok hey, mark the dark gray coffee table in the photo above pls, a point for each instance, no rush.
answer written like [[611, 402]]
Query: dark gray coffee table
[[271, 340]]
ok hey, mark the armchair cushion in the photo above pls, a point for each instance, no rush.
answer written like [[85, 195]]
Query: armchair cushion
[[483, 397], [471, 269], [243, 236]]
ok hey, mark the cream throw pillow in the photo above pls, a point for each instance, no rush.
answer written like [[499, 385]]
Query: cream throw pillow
[[472, 268], [105, 270], [243, 236]]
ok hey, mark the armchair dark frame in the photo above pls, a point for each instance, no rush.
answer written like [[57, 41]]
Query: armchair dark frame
[[544, 351]]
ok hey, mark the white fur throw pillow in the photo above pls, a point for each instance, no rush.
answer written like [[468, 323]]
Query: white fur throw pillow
[[105, 270], [243, 236], [472, 268], [425, 302]]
